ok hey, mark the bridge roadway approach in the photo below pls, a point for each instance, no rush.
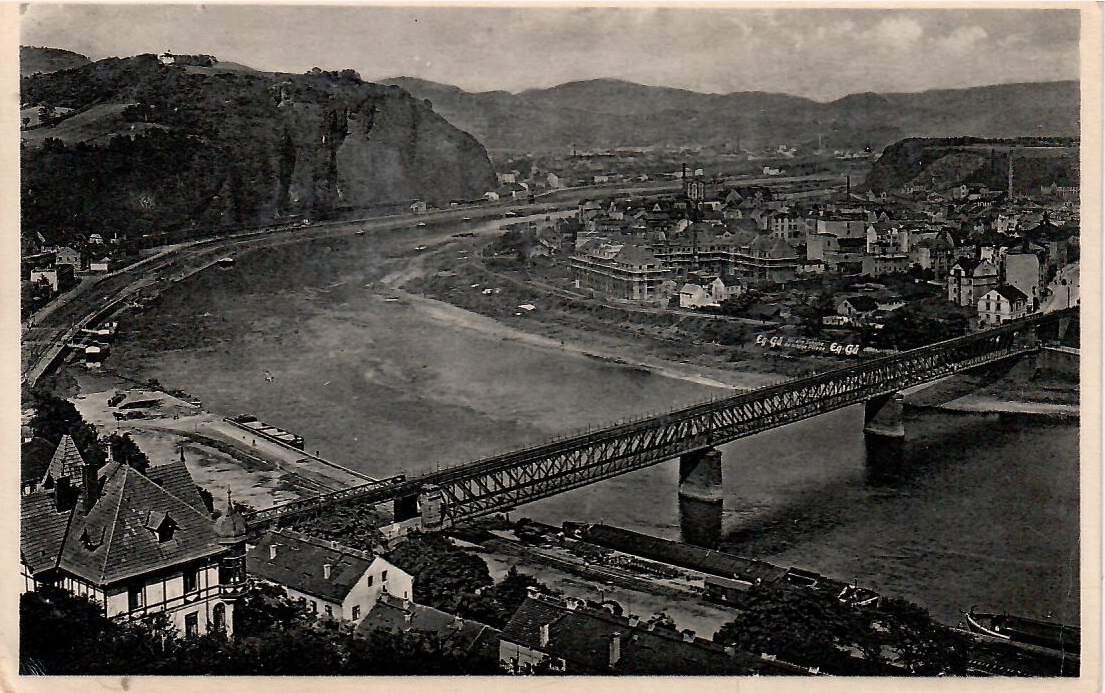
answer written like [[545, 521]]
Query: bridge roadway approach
[[449, 496]]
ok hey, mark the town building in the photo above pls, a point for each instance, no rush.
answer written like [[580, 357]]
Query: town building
[[331, 579], [566, 636], [619, 270], [67, 256], [59, 277], [392, 614], [1001, 305], [137, 544], [969, 279], [1023, 270]]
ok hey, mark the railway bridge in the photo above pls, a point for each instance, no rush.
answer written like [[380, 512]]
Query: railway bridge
[[452, 495]]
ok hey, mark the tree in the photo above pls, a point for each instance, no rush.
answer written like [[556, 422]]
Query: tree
[[55, 417], [125, 451], [444, 575], [799, 626]]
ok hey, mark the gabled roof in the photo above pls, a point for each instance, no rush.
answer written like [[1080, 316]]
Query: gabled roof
[[1011, 294], [118, 538], [66, 462], [390, 613], [582, 637], [299, 564], [174, 478]]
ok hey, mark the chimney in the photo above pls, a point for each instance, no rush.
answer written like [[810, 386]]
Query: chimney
[[407, 617], [272, 551], [688, 635], [634, 619], [326, 571], [615, 647], [458, 622], [91, 486], [543, 635]]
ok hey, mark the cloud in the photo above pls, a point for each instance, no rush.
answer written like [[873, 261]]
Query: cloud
[[963, 38], [897, 31]]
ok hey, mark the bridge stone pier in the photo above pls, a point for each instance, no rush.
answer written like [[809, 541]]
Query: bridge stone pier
[[884, 429], [700, 475]]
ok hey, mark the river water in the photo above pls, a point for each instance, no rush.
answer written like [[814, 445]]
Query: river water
[[983, 510]]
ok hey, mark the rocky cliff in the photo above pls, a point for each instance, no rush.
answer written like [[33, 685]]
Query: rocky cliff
[[140, 147]]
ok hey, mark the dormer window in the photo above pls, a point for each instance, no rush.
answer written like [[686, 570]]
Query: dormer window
[[162, 525]]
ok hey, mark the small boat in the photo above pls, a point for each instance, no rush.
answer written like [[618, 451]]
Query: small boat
[[226, 262], [391, 299], [1030, 631], [359, 232]]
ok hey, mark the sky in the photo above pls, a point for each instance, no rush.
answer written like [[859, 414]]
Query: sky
[[819, 53]]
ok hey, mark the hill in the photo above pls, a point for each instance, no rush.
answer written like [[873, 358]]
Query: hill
[[610, 113], [936, 164], [137, 146], [38, 60]]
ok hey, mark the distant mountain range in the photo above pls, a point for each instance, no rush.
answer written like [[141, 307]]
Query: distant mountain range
[[612, 113]]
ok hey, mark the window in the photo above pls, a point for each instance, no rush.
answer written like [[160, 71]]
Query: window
[[191, 581], [314, 606], [218, 614], [356, 611], [370, 580], [136, 597], [192, 625], [329, 611], [384, 576]]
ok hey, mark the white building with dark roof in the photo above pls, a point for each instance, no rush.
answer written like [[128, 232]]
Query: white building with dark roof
[[1001, 305], [331, 579], [136, 544]]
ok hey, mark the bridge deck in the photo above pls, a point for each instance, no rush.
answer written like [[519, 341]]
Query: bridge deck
[[505, 481]]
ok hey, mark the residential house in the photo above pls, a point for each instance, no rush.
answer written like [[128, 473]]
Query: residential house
[[969, 279], [104, 264], [59, 277], [419, 207], [472, 639], [568, 637], [67, 256], [137, 544], [331, 579], [1001, 305], [933, 254], [694, 296], [857, 308]]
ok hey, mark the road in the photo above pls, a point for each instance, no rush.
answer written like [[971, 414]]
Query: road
[[1064, 289]]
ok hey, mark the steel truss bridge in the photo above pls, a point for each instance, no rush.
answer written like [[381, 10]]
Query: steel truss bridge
[[500, 483]]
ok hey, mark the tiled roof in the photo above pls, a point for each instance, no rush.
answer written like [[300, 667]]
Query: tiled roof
[[299, 564], [41, 531], [1011, 294], [174, 478], [118, 538], [390, 614], [582, 638], [66, 462]]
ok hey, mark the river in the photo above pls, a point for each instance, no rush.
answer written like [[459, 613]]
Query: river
[[984, 509]]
